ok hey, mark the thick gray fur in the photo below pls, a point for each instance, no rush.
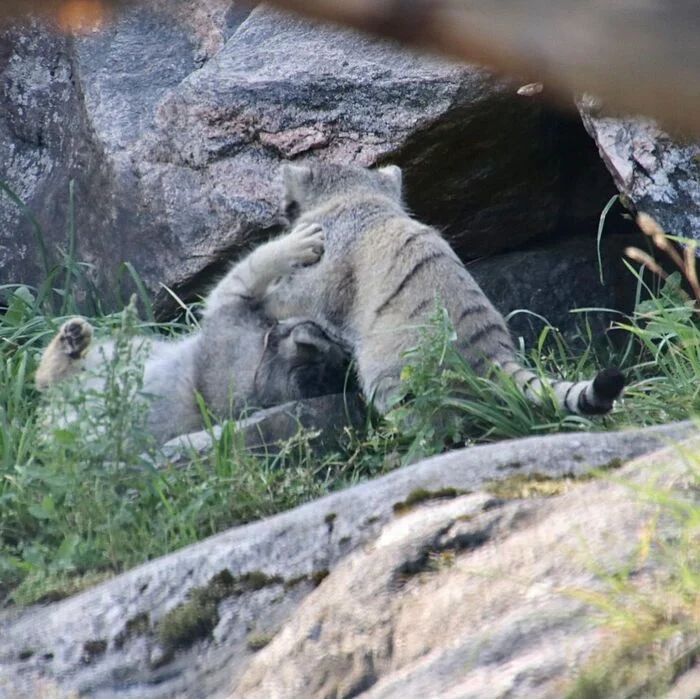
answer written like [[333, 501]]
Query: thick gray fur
[[381, 277], [239, 359]]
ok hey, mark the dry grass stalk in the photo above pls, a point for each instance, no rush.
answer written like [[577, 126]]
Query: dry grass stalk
[[687, 263], [637, 255]]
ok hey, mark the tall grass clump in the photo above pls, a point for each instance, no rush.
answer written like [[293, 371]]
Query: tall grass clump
[[664, 331], [444, 403]]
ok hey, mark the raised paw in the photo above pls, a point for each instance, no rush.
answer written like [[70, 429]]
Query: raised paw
[[60, 359], [75, 337], [305, 244]]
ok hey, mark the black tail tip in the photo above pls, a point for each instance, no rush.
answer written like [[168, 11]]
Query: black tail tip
[[608, 385]]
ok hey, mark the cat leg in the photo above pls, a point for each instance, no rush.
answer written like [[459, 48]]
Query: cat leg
[[250, 278]]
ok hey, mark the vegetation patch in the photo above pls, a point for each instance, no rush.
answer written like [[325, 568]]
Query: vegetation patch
[[42, 589], [136, 626], [421, 495], [188, 623], [258, 640], [196, 618], [656, 638], [626, 670], [534, 485], [539, 485], [652, 618], [318, 576]]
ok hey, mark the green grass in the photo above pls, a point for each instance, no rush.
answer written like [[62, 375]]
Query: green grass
[[87, 502], [444, 403]]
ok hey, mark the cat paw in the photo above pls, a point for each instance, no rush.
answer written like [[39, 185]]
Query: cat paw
[[305, 243], [75, 337]]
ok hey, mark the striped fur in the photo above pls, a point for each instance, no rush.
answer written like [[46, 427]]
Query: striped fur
[[380, 278]]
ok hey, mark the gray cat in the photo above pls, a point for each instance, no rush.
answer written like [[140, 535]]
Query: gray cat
[[381, 277], [239, 359]]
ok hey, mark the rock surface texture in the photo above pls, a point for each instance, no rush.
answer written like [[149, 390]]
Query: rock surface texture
[[541, 284], [173, 121], [472, 598], [425, 581], [659, 174]]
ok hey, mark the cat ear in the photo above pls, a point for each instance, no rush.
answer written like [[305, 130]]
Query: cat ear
[[394, 175]]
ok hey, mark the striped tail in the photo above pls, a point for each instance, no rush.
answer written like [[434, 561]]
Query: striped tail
[[595, 397]]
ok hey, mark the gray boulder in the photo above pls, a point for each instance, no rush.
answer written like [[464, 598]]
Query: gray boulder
[[659, 174], [545, 284], [174, 120], [475, 598], [190, 623]]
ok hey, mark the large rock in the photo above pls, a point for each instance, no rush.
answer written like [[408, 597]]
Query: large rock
[[658, 174], [545, 284], [173, 123], [640, 55], [473, 599], [189, 623]]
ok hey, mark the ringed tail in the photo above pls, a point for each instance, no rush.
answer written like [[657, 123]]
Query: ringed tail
[[593, 397]]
